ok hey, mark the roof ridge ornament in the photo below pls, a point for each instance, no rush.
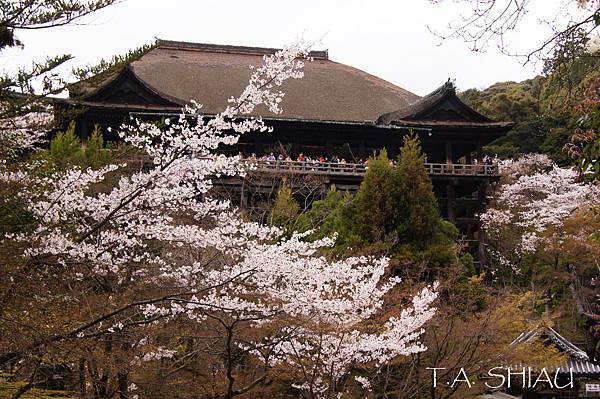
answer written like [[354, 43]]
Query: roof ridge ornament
[[450, 85]]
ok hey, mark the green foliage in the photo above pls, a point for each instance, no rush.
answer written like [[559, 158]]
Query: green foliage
[[95, 155], [517, 102], [66, 150], [417, 218], [374, 202], [286, 209], [545, 109], [468, 263], [394, 210], [553, 145], [332, 215]]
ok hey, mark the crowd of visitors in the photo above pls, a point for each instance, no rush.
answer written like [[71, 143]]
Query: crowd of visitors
[[302, 158], [334, 159]]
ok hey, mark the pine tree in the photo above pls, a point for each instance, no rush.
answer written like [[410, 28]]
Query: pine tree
[[65, 149], [417, 218], [374, 202], [286, 209], [95, 155]]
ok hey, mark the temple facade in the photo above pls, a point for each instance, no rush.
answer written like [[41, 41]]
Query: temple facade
[[334, 111]]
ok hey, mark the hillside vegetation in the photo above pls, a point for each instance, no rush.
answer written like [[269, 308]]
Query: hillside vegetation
[[546, 109]]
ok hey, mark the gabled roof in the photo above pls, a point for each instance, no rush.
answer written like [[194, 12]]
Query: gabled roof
[[179, 72], [126, 87], [578, 360], [443, 108]]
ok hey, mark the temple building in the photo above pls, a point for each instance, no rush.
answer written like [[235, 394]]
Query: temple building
[[578, 376], [335, 110]]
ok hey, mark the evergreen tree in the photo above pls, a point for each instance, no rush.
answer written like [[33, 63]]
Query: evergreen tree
[[286, 209], [374, 202], [417, 219], [66, 150], [329, 216], [95, 155]]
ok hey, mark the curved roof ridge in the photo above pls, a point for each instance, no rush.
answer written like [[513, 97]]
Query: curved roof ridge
[[554, 336], [232, 49], [566, 344], [430, 101], [128, 72]]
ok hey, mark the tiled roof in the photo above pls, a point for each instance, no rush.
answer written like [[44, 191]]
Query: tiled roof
[[578, 360]]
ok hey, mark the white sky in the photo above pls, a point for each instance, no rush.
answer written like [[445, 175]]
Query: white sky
[[388, 38]]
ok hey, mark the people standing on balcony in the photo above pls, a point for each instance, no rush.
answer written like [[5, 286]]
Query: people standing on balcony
[[487, 161], [301, 158]]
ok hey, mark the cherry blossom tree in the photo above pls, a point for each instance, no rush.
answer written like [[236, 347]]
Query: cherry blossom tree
[[22, 133], [534, 198], [116, 254]]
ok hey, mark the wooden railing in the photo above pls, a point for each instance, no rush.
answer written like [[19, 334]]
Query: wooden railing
[[355, 169]]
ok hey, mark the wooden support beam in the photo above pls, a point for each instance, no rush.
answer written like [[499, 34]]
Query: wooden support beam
[[451, 205], [243, 199], [449, 159], [295, 148], [258, 145], [362, 151]]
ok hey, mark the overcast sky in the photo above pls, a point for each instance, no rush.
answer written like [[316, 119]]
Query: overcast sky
[[390, 39]]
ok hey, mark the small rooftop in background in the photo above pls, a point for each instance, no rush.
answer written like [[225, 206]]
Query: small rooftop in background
[[229, 49]]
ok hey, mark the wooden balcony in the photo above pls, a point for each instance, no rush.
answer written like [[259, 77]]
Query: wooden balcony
[[354, 169]]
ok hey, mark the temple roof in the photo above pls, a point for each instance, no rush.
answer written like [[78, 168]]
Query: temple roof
[[173, 73], [577, 360], [441, 108]]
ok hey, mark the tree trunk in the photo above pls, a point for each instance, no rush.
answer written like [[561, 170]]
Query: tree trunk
[[122, 380], [82, 384]]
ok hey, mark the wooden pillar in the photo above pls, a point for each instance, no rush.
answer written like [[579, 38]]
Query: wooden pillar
[[448, 152], [483, 260], [481, 205], [451, 203], [479, 152], [481, 199], [85, 129], [258, 145], [295, 148], [243, 202], [329, 148], [362, 151]]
